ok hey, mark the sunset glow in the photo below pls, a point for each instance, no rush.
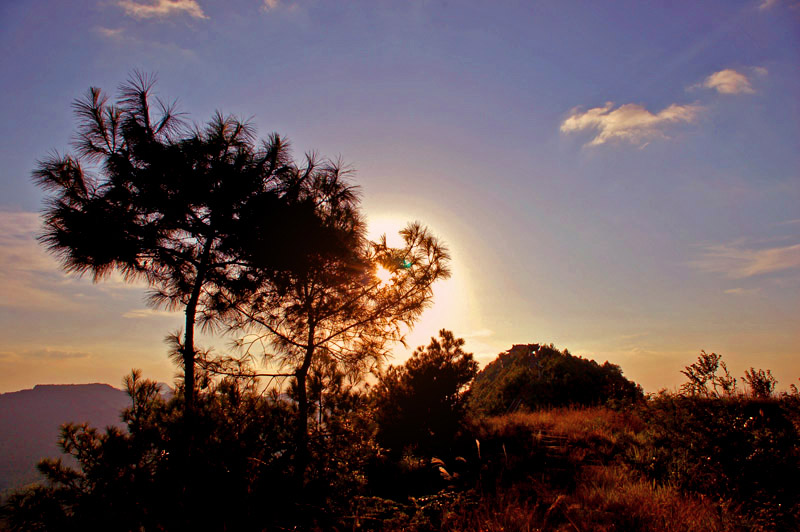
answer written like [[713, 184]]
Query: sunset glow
[[618, 179]]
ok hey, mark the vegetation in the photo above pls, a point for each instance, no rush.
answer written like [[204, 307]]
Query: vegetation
[[239, 235], [204, 215], [705, 380], [247, 240], [420, 406], [537, 376], [402, 455], [134, 479], [336, 315]]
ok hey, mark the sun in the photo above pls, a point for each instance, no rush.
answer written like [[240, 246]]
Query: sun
[[384, 276]]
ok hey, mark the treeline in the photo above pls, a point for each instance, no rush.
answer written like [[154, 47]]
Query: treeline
[[415, 451]]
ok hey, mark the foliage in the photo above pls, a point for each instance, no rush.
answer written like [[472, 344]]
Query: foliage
[[537, 376], [239, 478], [670, 463], [202, 214], [738, 449], [704, 380], [338, 313], [761, 383], [420, 405], [559, 469]]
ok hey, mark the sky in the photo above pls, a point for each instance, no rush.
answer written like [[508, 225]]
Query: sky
[[620, 179]]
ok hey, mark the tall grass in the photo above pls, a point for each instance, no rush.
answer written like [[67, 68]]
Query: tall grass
[[589, 469], [574, 423]]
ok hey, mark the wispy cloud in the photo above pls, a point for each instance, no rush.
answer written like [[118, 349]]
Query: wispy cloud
[[728, 81], [737, 261], [633, 335], [115, 34], [29, 277], [43, 353], [768, 4], [270, 4], [738, 291], [124, 38], [141, 313], [630, 122], [162, 8], [480, 333]]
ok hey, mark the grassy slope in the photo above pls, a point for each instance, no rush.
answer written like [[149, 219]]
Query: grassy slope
[[563, 469]]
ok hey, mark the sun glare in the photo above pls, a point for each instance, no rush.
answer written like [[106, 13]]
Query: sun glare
[[383, 275], [389, 225]]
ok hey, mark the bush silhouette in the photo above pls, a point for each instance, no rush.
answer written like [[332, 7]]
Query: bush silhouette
[[419, 406], [537, 376]]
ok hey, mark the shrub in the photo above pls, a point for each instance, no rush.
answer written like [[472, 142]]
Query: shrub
[[738, 449], [236, 475], [419, 406]]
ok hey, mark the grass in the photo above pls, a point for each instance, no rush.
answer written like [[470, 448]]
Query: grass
[[573, 423], [523, 463]]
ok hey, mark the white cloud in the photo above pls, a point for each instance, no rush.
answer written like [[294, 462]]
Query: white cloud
[[630, 122], [162, 8], [737, 261], [729, 81], [767, 4], [270, 4]]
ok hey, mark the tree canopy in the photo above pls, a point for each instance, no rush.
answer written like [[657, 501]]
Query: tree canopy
[[532, 376], [420, 405], [202, 214], [338, 312]]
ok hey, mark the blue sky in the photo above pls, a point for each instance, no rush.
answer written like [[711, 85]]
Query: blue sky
[[620, 178]]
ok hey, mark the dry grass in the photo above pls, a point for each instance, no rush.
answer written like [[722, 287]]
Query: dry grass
[[593, 447], [608, 499], [615, 498], [574, 423], [606, 496]]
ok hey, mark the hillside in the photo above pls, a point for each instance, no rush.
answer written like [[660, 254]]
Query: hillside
[[531, 376], [30, 421]]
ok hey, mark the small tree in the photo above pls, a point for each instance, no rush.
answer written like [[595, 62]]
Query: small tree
[[201, 215], [421, 404], [704, 380], [761, 383], [345, 310]]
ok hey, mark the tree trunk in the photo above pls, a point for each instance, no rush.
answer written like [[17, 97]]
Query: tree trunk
[[188, 339], [188, 353], [303, 457]]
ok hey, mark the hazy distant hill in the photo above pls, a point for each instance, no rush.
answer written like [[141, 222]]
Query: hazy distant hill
[[30, 421]]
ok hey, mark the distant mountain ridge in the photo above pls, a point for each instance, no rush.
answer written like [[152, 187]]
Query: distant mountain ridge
[[30, 421]]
